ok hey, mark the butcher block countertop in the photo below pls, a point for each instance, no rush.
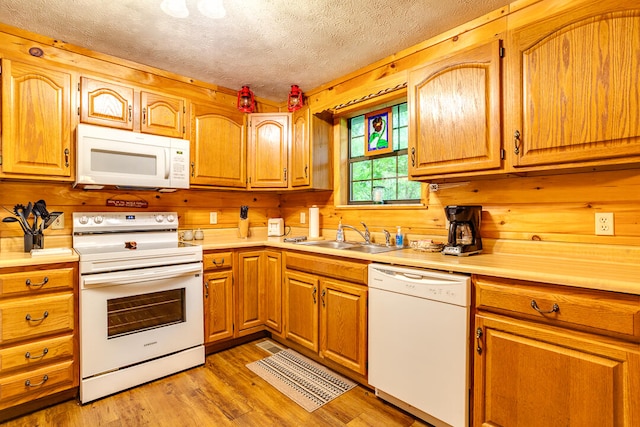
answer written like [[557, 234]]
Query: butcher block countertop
[[606, 275]]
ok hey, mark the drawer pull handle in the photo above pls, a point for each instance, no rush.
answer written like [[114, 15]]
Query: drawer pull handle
[[44, 316], [220, 264], [27, 383], [554, 309], [37, 285], [29, 356]]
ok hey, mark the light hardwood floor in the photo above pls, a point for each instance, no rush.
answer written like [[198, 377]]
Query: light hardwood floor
[[223, 392]]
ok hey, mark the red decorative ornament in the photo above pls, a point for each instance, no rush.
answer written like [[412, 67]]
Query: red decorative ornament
[[246, 100], [296, 99]]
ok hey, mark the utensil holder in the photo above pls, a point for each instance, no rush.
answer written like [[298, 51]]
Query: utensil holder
[[33, 241], [243, 228]]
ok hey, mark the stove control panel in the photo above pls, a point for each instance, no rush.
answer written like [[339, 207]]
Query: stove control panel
[[96, 222]]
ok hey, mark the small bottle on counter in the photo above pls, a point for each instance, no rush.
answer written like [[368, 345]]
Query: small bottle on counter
[[399, 237], [340, 233]]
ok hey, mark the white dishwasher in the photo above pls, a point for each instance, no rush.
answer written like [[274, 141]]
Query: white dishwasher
[[419, 342]]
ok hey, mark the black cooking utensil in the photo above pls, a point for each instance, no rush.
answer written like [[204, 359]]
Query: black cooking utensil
[[14, 219], [244, 212], [18, 210]]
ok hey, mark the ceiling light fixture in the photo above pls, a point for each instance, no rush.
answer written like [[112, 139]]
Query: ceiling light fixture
[[246, 100], [296, 99], [212, 8], [175, 8]]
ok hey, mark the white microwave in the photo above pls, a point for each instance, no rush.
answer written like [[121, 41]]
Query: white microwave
[[128, 160]]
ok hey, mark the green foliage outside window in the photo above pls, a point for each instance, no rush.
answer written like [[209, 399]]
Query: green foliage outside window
[[389, 171]]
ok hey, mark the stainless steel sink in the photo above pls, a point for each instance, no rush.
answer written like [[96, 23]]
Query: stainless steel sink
[[350, 246], [332, 244], [372, 249]]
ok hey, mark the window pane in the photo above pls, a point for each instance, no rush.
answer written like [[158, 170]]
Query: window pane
[[361, 191], [402, 138], [357, 126], [390, 191], [408, 189], [403, 165], [403, 115], [384, 167], [357, 146], [361, 170]]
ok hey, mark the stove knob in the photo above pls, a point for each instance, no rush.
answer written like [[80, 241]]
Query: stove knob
[[98, 219], [171, 218], [83, 219], [159, 218]]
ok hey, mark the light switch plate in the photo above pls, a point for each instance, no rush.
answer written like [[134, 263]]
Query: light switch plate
[[213, 217], [58, 224]]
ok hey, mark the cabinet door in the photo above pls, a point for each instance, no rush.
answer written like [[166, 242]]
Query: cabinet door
[[301, 309], [218, 305], [273, 290], [36, 121], [106, 104], [268, 152], [343, 324], [527, 374], [573, 83], [455, 114], [162, 114], [251, 290], [299, 165], [218, 147]]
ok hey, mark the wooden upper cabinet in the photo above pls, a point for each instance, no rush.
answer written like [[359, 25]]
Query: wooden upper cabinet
[[106, 104], [269, 138], [162, 114], [455, 114], [300, 159], [127, 107], [574, 82], [36, 121], [218, 147]]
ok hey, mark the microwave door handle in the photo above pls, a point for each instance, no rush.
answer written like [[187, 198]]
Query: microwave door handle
[[167, 163]]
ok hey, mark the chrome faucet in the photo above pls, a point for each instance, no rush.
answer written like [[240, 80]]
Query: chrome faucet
[[387, 238], [366, 235]]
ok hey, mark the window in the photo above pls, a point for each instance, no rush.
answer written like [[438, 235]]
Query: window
[[389, 171]]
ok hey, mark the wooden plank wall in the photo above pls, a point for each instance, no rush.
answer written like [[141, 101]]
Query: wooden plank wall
[[193, 206], [555, 208]]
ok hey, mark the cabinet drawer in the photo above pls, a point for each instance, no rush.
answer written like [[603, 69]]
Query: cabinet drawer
[[217, 260], [36, 353], [328, 266], [36, 383], [598, 311], [13, 284], [31, 317]]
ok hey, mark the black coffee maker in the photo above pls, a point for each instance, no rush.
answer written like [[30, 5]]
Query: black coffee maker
[[464, 230]]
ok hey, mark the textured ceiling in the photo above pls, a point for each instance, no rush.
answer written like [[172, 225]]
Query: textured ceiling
[[266, 44]]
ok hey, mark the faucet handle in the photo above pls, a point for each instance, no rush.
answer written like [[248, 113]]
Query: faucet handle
[[387, 237]]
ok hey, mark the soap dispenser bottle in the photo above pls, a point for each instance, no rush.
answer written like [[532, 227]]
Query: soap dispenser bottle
[[399, 237], [340, 233]]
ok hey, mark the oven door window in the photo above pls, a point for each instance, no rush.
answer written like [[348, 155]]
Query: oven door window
[[128, 315]]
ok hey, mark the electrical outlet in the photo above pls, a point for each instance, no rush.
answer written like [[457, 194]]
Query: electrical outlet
[[604, 224], [213, 217], [58, 224], [303, 217]]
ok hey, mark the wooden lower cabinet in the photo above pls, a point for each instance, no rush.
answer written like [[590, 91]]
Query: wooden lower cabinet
[[218, 296], [38, 342], [323, 312], [541, 371], [259, 292]]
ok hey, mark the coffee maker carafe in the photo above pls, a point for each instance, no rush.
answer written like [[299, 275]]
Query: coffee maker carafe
[[464, 230]]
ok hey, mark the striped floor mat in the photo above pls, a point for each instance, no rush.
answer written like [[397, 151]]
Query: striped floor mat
[[307, 383]]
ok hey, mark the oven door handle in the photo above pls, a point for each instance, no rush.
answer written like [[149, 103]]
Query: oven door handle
[[141, 275]]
